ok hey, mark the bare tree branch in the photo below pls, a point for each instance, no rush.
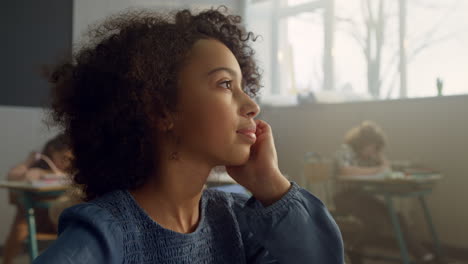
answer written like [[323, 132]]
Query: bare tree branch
[[430, 43], [382, 78], [428, 35]]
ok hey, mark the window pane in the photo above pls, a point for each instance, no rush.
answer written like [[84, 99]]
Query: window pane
[[295, 2], [259, 21], [366, 57], [348, 53], [437, 42], [300, 53]]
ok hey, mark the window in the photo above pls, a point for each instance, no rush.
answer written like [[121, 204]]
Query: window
[[437, 41], [350, 50]]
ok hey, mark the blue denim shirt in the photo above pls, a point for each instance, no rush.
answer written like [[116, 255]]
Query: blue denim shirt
[[232, 229]]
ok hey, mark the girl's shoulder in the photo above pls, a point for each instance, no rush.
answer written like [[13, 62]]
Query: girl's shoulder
[[225, 198], [91, 218], [110, 208], [89, 233]]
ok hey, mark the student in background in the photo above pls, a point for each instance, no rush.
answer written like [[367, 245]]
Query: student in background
[[362, 154], [53, 159]]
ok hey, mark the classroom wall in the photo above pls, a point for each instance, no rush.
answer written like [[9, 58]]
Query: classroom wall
[[433, 131], [34, 34]]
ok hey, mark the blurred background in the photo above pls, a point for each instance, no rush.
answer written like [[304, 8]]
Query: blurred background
[[327, 66]]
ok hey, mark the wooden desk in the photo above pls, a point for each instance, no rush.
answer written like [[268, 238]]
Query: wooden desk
[[417, 186], [33, 197]]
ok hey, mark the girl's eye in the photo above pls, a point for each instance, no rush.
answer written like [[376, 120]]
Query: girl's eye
[[226, 84]]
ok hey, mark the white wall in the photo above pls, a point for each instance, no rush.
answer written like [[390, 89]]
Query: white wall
[[22, 131], [433, 131]]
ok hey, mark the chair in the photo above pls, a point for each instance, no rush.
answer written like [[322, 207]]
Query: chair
[[317, 178]]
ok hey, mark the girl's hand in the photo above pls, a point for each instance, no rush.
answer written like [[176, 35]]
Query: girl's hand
[[34, 174], [260, 174], [32, 157], [384, 162], [51, 164]]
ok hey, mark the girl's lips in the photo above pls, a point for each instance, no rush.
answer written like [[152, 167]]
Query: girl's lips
[[248, 134], [250, 129], [251, 137]]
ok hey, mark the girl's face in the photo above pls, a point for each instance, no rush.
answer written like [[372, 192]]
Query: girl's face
[[212, 107], [370, 152], [62, 159]]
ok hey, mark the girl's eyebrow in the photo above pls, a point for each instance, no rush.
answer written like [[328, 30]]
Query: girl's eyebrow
[[229, 70]]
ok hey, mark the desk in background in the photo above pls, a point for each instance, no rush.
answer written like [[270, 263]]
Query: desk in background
[[417, 186], [31, 196]]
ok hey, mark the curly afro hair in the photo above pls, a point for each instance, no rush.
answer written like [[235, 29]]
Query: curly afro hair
[[108, 96], [367, 133]]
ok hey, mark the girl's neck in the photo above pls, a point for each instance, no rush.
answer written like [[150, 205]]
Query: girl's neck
[[172, 196]]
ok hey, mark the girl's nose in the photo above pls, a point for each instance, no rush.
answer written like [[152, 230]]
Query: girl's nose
[[250, 108]]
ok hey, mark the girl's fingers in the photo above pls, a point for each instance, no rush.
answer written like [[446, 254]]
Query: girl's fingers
[[262, 127], [261, 124]]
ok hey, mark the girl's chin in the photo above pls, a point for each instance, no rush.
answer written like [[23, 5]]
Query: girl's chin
[[238, 160], [235, 162], [238, 157]]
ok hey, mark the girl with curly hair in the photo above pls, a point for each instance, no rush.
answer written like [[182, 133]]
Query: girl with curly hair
[[362, 154], [53, 159], [151, 105]]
